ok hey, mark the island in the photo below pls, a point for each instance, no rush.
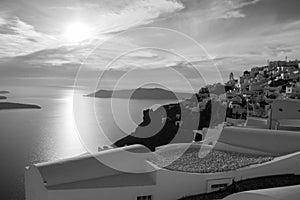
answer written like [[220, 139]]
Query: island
[[140, 93], [4, 92], [10, 106]]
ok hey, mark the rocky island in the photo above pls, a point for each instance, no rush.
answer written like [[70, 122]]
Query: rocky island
[[140, 93], [4, 92], [10, 106]]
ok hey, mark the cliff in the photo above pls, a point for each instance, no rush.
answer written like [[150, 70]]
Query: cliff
[[161, 127]]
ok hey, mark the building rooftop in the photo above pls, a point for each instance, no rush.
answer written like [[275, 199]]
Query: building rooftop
[[98, 170], [214, 161]]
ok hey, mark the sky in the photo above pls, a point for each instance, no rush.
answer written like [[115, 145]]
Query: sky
[[97, 43]]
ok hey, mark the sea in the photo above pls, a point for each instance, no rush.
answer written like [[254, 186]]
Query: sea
[[68, 124]]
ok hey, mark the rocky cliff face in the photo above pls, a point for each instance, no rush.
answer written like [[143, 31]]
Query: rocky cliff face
[[154, 131], [173, 123]]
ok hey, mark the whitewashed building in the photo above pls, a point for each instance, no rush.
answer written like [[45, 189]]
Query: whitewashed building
[[85, 177]]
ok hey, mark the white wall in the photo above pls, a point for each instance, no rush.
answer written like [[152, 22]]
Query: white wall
[[34, 186], [174, 185], [274, 142], [123, 193], [170, 185], [284, 109]]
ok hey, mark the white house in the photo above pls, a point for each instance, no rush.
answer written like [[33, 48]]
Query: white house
[[134, 177], [285, 115]]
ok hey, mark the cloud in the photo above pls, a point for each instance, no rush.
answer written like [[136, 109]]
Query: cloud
[[214, 9], [231, 8], [136, 14], [2, 21], [115, 16], [281, 49], [19, 38], [233, 14], [106, 17], [234, 37], [85, 55]]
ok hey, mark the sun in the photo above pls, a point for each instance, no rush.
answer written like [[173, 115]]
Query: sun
[[78, 31]]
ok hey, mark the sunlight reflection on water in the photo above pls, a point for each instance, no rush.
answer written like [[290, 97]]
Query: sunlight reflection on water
[[33, 136]]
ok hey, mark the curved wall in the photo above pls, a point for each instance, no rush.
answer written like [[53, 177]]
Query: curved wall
[[281, 193], [185, 184], [275, 142]]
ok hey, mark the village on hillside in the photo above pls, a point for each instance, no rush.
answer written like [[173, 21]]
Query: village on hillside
[[261, 85], [254, 91]]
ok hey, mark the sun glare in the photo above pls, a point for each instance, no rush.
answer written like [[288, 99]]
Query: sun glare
[[77, 32]]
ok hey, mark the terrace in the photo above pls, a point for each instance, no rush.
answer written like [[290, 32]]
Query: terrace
[[211, 162]]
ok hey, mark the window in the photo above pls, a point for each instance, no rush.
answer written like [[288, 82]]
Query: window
[[219, 186], [145, 197]]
